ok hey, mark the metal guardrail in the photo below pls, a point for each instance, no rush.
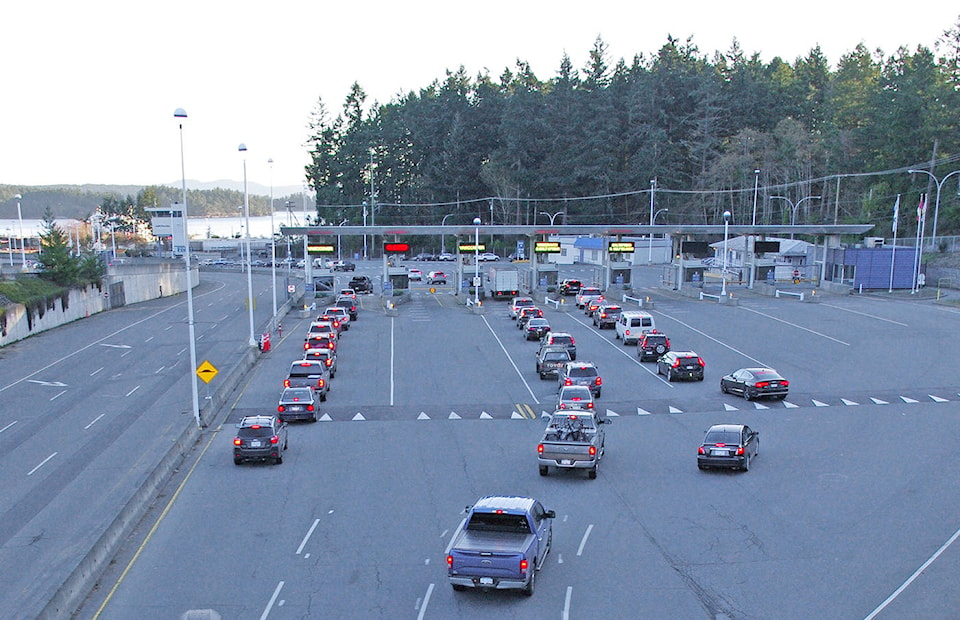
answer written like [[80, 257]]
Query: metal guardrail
[[555, 302], [711, 296], [799, 294]]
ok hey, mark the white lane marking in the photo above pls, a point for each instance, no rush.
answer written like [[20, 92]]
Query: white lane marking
[[619, 349], [8, 426], [42, 463], [426, 601], [789, 405], [801, 327], [866, 314], [512, 363], [359, 417], [273, 599], [115, 346], [453, 537], [59, 395], [729, 407], [126, 353], [159, 370], [132, 391], [937, 399], [817, 403], [719, 342], [566, 603], [583, 541], [909, 400], [149, 339], [423, 416], [642, 411], [848, 402], [181, 351], [96, 371], [93, 421], [913, 577], [392, 353], [303, 543], [877, 401]]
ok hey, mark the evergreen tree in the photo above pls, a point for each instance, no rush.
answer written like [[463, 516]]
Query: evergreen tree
[[57, 263]]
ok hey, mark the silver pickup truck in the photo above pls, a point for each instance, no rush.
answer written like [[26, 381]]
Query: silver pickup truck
[[572, 440]]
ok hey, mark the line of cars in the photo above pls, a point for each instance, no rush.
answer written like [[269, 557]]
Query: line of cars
[[265, 437]]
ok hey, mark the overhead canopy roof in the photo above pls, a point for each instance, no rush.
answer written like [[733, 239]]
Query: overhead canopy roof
[[673, 230]]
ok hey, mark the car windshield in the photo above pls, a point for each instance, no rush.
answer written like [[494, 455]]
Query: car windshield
[[727, 437], [553, 356], [537, 322], [560, 340], [580, 371], [255, 431], [291, 394], [575, 392]]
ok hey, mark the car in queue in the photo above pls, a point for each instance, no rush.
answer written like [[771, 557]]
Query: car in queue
[[527, 313], [570, 286], [574, 397], [260, 438], [520, 302], [606, 315], [297, 403], [561, 338], [347, 292], [728, 446], [415, 275], [586, 294], [327, 356], [754, 383], [322, 328], [652, 346], [436, 277], [678, 365], [341, 313], [633, 324], [581, 373], [361, 284], [319, 341], [536, 328], [348, 304], [550, 359], [334, 321], [592, 304], [309, 373]]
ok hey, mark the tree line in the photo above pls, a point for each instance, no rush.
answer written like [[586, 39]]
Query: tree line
[[800, 140]]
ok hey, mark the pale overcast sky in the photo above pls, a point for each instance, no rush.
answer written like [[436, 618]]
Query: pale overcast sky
[[89, 88]]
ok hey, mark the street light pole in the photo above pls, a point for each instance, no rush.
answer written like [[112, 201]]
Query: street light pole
[[443, 246], [23, 251], [794, 207], [756, 186], [246, 215], [476, 262], [936, 209], [653, 189], [723, 275], [181, 114], [273, 245]]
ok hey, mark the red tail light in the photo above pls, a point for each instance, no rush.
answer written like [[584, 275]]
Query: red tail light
[[599, 381], [309, 407], [540, 449], [720, 445], [329, 362], [572, 341], [589, 405], [306, 345], [762, 384], [523, 565], [567, 382], [237, 442], [668, 342], [320, 383], [286, 383], [740, 451], [700, 450], [626, 332], [593, 451], [331, 345], [274, 439], [784, 383], [603, 315], [676, 363], [449, 560], [281, 408], [700, 361]]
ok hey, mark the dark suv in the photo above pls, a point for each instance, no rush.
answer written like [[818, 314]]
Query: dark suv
[[550, 359], [581, 373], [606, 315], [651, 346], [350, 305], [560, 338], [569, 287], [260, 438], [361, 284]]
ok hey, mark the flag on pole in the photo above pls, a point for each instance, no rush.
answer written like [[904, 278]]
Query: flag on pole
[[896, 214], [920, 208]]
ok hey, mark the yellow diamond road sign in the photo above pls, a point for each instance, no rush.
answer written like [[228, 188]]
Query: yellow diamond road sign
[[207, 371]]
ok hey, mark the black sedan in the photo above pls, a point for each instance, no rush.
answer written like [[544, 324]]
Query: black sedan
[[681, 365], [755, 383], [536, 328], [728, 445]]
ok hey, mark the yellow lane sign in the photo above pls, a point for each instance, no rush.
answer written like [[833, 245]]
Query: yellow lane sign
[[207, 371]]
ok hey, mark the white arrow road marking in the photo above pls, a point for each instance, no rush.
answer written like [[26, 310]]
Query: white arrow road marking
[[789, 405], [909, 400], [877, 401], [937, 399], [817, 403], [848, 402], [729, 407]]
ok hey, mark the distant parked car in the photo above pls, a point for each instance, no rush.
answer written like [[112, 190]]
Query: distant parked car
[[436, 277], [343, 265]]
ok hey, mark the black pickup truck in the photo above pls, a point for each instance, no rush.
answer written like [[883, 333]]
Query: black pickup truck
[[361, 284]]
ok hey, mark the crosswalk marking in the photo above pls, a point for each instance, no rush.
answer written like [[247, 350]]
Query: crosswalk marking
[[817, 403], [729, 407], [790, 405], [937, 399], [759, 406]]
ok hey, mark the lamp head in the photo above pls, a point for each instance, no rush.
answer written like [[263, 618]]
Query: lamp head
[[179, 113], [242, 148], [726, 216], [17, 196], [476, 221]]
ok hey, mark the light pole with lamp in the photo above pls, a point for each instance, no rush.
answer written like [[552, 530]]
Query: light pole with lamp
[[443, 221], [246, 233], [794, 207], [476, 262], [553, 216], [10, 245], [756, 186], [23, 251], [723, 274], [273, 245], [653, 221], [653, 189], [936, 209], [180, 113]]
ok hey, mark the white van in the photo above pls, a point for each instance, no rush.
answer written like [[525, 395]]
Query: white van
[[632, 324]]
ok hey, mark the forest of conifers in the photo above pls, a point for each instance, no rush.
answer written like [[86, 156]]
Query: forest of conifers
[[818, 140]]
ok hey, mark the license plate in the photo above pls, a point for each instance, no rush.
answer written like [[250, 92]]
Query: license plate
[[566, 461], [255, 444], [719, 453], [486, 581], [295, 408]]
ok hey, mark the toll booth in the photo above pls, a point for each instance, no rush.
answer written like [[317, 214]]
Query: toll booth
[[399, 281], [619, 274], [546, 275]]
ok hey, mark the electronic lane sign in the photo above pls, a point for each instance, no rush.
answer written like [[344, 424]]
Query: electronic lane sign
[[620, 247], [395, 248], [316, 245], [546, 247], [470, 247]]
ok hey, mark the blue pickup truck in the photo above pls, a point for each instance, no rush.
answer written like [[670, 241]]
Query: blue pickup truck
[[501, 544]]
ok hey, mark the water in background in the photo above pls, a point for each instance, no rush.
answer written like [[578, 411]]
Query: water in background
[[198, 227]]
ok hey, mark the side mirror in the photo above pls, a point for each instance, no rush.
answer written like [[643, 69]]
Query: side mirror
[[467, 509], [549, 514], [606, 421]]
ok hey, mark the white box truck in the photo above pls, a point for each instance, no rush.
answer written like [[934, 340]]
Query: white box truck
[[503, 282]]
